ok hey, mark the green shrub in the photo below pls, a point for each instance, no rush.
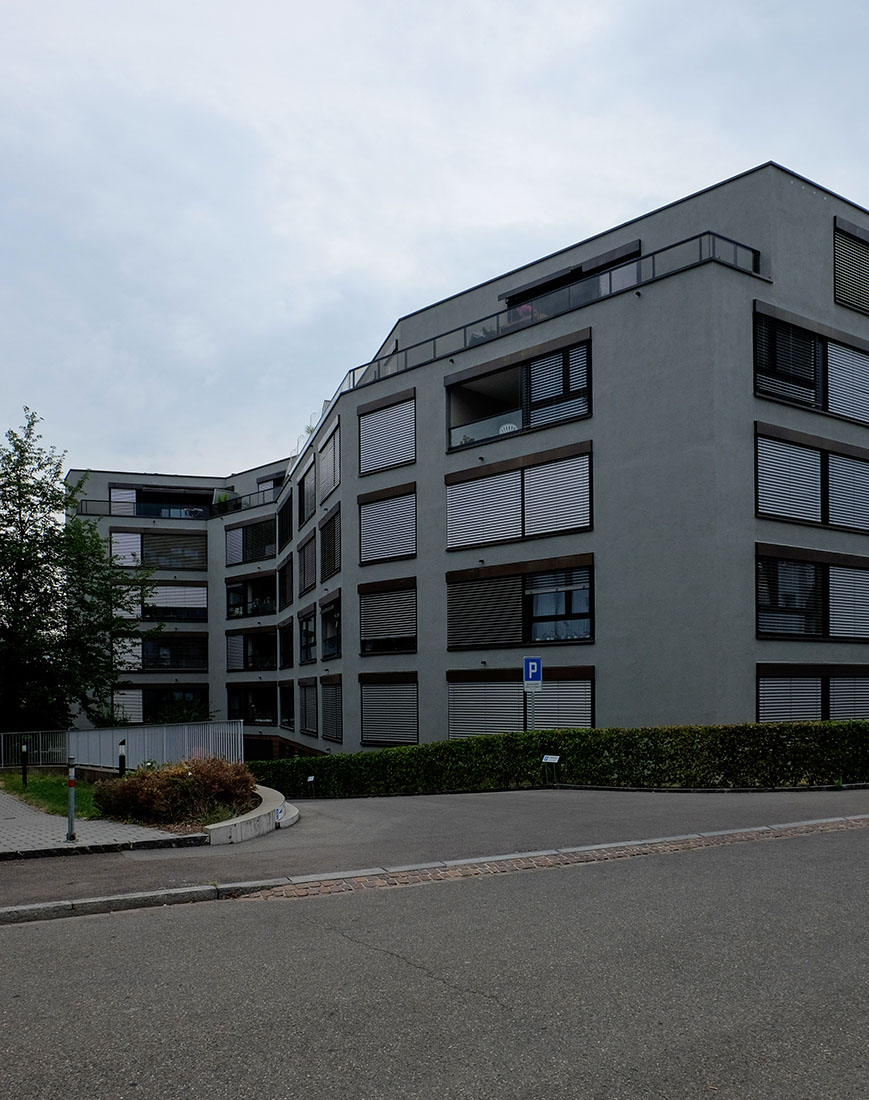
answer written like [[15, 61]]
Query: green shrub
[[196, 790], [768, 755]]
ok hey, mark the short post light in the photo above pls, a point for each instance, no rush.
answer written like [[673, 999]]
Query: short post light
[[122, 758]]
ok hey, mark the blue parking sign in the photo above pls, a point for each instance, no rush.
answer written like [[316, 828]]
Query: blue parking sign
[[532, 673]]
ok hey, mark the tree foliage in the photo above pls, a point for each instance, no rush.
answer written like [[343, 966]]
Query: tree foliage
[[64, 601]]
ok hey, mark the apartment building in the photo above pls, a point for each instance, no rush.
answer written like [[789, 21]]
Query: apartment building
[[644, 459]]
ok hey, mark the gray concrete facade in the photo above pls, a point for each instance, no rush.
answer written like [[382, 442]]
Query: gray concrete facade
[[674, 529]]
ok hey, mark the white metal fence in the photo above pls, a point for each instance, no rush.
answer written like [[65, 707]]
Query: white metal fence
[[99, 748]]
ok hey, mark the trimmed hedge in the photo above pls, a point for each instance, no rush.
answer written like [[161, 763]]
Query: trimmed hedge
[[785, 754]]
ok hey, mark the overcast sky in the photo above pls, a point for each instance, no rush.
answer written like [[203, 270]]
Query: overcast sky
[[210, 210]]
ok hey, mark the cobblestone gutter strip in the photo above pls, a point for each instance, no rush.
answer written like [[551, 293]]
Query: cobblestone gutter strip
[[565, 857]]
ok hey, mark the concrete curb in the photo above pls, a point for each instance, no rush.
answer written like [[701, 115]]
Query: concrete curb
[[192, 840], [52, 910], [273, 812]]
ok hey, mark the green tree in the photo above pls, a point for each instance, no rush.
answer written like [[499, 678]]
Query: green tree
[[65, 603]]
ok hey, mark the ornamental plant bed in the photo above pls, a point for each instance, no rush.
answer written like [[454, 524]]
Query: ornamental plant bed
[[182, 796]]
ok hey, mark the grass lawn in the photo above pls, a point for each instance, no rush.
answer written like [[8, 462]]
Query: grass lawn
[[50, 793]]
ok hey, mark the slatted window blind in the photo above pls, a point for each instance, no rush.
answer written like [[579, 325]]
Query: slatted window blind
[[127, 653], [175, 551], [128, 704], [790, 597], [330, 547], [849, 492], [558, 386], [234, 546], [234, 652], [286, 704], [849, 697], [123, 502], [563, 704], [177, 603], [848, 382], [484, 707], [307, 493], [285, 523], [330, 464], [308, 565], [390, 714], [486, 612], [537, 500], [851, 271], [788, 480], [387, 437], [781, 699], [786, 361], [388, 621], [308, 708], [849, 602], [285, 584], [333, 712], [387, 528], [127, 547]]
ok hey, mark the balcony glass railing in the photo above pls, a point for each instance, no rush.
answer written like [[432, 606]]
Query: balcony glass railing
[[157, 510], [503, 424]]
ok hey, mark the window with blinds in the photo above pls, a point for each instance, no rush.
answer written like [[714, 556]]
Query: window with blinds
[[307, 494], [387, 528], [557, 386], [127, 548], [387, 437], [122, 502], [333, 710], [285, 522], [286, 705], [812, 598], [390, 713], [484, 707], [161, 551], [387, 620], [127, 705], [176, 603], [330, 547], [175, 651], [127, 653], [285, 584], [796, 365], [486, 613], [812, 485], [851, 271], [308, 707], [285, 646], [254, 704], [251, 652], [307, 555], [307, 638], [330, 464], [255, 542], [538, 500], [564, 704], [783, 699]]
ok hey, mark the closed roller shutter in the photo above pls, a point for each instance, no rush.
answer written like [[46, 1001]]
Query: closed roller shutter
[[561, 410], [788, 480], [387, 615], [330, 547], [388, 528], [849, 698], [333, 728], [178, 595], [330, 465], [235, 652], [546, 376], [851, 271], [234, 546], [848, 382], [556, 496], [387, 437], [488, 509], [390, 714], [308, 565], [128, 704], [126, 547], [123, 502], [849, 492], [485, 613], [481, 707], [789, 698], [849, 602], [175, 551], [308, 708], [563, 704], [127, 653]]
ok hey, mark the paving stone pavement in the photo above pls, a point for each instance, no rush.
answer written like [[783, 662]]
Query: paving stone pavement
[[26, 829]]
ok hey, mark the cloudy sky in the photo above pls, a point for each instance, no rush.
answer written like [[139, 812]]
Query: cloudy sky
[[210, 210]]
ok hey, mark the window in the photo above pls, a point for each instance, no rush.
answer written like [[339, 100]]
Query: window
[[163, 704], [497, 607], [255, 542], [251, 597], [387, 527], [330, 464], [175, 651], [796, 365], [811, 485], [330, 694], [387, 617], [177, 603], [286, 705], [544, 390], [330, 546], [482, 702], [285, 584], [812, 598], [163, 503], [251, 652], [390, 709], [255, 704], [159, 551], [307, 637], [308, 707], [517, 503], [851, 266], [307, 494], [285, 522], [285, 646], [307, 555], [787, 693], [387, 437], [330, 624]]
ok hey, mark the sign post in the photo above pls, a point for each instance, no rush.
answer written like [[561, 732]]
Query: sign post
[[532, 674], [70, 824]]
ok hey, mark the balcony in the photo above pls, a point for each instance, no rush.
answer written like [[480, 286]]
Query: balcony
[[172, 509]]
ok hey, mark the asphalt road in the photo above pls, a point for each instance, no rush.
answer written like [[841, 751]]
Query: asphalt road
[[737, 972], [359, 833]]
